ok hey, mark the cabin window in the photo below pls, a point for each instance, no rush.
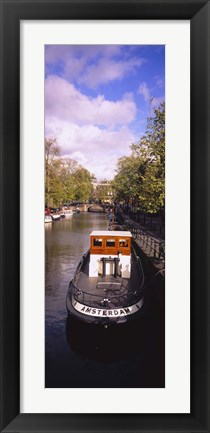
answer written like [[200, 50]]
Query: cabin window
[[110, 243], [123, 243], [97, 242]]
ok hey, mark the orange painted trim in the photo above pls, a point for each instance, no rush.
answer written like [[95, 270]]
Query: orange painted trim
[[110, 250]]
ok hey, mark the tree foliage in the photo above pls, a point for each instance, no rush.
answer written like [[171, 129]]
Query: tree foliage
[[140, 177], [127, 183], [53, 185], [65, 179]]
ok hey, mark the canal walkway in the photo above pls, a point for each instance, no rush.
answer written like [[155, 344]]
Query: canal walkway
[[151, 242]]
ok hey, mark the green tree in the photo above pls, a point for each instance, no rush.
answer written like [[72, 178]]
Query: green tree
[[83, 185], [53, 187], [141, 176], [65, 179], [127, 182], [67, 175], [152, 193]]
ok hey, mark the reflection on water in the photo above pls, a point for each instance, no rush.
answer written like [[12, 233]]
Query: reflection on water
[[81, 355], [103, 344], [65, 243]]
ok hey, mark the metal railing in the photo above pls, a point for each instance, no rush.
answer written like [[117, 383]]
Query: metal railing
[[153, 247], [118, 299]]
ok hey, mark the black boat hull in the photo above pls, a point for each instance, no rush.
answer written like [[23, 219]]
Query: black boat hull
[[106, 299]]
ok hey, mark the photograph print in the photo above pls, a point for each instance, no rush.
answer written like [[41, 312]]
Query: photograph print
[[104, 216]]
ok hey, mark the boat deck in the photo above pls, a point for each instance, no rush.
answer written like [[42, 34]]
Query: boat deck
[[108, 291]]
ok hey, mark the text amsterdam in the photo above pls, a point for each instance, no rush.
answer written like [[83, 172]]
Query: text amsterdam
[[103, 312]]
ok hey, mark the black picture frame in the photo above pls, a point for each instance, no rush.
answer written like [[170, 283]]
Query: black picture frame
[[12, 11]]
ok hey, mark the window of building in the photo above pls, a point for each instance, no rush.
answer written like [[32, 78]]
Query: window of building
[[110, 243], [97, 242], [123, 243]]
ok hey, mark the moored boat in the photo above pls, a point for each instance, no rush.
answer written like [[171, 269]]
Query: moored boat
[[56, 217], [76, 210], [107, 287], [68, 213], [48, 219]]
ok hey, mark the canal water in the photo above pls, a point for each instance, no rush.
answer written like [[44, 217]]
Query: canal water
[[78, 355]]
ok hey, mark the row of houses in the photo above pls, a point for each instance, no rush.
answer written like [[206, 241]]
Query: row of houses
[[102, 191]]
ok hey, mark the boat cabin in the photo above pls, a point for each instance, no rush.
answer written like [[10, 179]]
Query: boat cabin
[[110, 253]]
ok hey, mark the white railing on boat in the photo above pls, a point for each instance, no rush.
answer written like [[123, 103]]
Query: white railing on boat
[[93, 299]]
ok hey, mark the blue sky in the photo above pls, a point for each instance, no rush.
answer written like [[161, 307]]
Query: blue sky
[[97, 99]]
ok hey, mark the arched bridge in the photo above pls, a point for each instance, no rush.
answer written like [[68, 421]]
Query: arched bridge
[[96, 208]]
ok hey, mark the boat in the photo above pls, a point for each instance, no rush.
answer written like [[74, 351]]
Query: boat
[[56, 217], [48, 219], [76, 210], [107, 287], [68, 213]]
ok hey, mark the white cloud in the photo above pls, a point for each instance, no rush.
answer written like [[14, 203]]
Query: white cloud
[[96, 149], [108, 70], [160, 81], [57, 53], [79, 157], [73, 68], [94, 130], [64, 101], [90, 64], [147, 95], [144, 91]]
